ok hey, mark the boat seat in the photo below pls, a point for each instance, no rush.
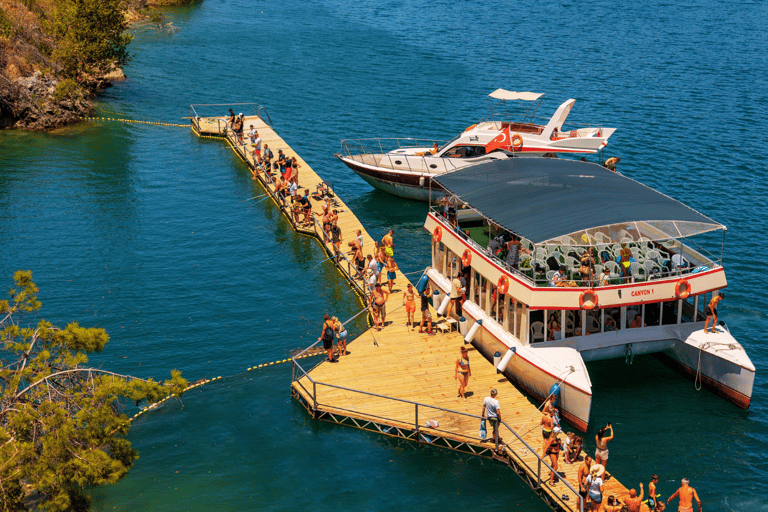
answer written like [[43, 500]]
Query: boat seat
[[537, 332]]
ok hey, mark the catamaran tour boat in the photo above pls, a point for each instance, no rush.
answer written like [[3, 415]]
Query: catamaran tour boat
[[559, 210], [406, 167]]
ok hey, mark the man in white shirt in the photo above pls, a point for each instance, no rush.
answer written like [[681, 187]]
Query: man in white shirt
[[456, 292], [492, 412]]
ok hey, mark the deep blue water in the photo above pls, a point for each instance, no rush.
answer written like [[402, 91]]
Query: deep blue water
[[146, 231]]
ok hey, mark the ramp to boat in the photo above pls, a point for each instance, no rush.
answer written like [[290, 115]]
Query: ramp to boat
[[395, 380]]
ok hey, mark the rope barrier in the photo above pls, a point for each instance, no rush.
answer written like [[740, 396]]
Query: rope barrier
[[206, 381], [118, 120]]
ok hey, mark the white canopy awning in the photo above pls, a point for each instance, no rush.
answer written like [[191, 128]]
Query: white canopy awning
[[501, 94]]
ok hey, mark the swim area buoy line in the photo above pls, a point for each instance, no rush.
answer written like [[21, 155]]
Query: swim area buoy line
[[202, 382], [682, 289], [502, 285], [588, 300], [466, 258], [437, 235]]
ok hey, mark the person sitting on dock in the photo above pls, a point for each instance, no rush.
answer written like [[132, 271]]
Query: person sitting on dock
[[426, 315], [327, 335], [634, 501], [686, 495], [610, 164], [409, 301], [712, 311], [571, 453]]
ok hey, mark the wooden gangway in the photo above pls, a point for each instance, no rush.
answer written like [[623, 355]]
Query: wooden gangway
[[395, 380]]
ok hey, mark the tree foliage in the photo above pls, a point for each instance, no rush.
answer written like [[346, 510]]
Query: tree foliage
[[61, 426], [89, 36]]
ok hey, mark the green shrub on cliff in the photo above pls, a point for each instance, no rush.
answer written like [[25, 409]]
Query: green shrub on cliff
[[89, 36]]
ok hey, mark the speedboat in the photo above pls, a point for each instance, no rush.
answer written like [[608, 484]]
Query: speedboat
[[581, 221], [406, 167]]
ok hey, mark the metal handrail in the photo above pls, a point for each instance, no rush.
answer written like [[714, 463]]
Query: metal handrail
[[259, 109], [417, 426]]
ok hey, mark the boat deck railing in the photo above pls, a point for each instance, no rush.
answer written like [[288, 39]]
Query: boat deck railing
[[534, 267], [515, 446]]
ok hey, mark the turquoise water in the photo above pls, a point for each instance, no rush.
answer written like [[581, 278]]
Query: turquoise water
[[146, 231]]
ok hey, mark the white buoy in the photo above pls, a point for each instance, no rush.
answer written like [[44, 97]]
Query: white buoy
[[472, 331], [496, 359], [444, 304], [505, 361], [421, 181], [463, 326]]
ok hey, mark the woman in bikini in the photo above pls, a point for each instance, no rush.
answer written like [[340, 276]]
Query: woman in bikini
[[409, 301], [552, 449], [342, 334], [601, 452], [463, 372]]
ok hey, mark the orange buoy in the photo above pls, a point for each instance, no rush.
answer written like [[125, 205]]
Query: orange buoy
[[466, 258], [588, 300], [437, 235], [503, 285], [682, 289]]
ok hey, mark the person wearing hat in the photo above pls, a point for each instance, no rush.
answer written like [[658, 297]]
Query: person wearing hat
[[712, 311], [595, 485], [492, 412]]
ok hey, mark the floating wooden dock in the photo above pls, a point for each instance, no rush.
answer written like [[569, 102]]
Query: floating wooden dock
[[395, 380]]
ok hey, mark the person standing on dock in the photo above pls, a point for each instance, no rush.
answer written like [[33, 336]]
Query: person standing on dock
[[595, 486], [266, 158], [426, 316], [686, 495], [327, 335], [256, 141], [634, 501], [712, 312], [601, 452], [360, 238], [336, 239], [378, 302], [237, 128], [584, 470], [409, 301], [231, 120], [281, 160], [388, 243], [546, 427], [456, 293], [492, 412], [391, 273], [341, 333], [463, 372]]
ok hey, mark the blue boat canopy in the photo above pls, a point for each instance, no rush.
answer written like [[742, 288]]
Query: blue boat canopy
[[554, 201]]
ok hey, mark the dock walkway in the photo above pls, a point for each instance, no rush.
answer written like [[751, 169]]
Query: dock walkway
[[395, 380]]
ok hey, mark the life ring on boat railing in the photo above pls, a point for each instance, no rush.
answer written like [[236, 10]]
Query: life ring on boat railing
[[466, 257], [503, 285], [517, 141], [437, 235], [588, 300], [682, 289], [470, 127]]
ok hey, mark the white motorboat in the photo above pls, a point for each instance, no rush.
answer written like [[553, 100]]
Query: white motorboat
[[560, 209], [406, 167]]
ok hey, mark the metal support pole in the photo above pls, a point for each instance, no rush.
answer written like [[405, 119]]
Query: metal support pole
[[416, 421], [314, 399]]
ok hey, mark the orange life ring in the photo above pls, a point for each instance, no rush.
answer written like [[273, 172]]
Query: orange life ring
[[682, 289], [517, 141], [588, 300], [503, 285], [466, 258], [437, 235]]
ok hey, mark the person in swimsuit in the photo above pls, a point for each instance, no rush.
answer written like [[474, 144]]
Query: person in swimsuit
[[463, 371], [552, 449], [391, 273], [634, 501], [686, 495], [624, 264], [426, 316], [712, 311], [652, 492], [388, 243], [327, 336], [377, 301], [341, 333], [613, 505], [546, 427], [582, 475], [409, 301], [601, 452]]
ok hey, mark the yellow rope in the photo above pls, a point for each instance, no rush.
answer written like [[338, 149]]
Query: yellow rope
[[134, 121], [206, 381]]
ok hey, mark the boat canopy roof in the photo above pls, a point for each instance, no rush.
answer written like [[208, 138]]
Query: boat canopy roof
[[551, 201], [502, 94]]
